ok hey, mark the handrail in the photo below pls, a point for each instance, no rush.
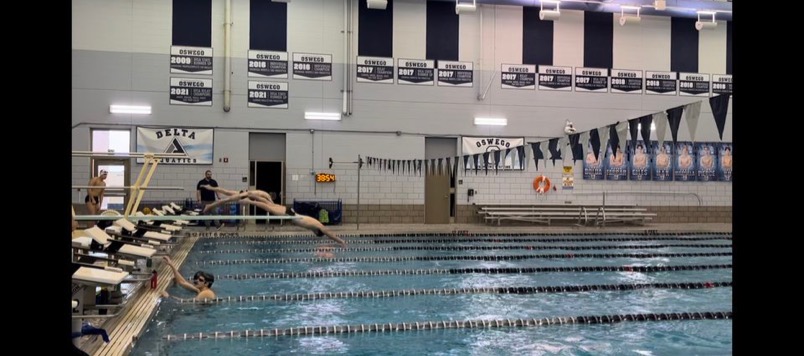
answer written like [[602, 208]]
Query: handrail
[[700, 202]]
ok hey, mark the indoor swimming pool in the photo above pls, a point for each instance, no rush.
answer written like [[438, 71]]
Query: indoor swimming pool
[[454, 295]]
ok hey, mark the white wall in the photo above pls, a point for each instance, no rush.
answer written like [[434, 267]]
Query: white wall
[[121, 55]]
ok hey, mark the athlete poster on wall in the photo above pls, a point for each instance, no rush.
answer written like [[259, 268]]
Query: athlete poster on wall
[[592, 169], [640, 161], [616, 166], [567, 178], [706, 162], [663, 161], [684, 164], [724, 162], [195, 143]]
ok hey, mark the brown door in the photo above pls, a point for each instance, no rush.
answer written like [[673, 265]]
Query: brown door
[[436, 199]]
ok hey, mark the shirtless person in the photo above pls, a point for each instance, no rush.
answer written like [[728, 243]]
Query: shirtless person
[[305, 221], [707, 160], [725, 161], [640, 158], [202, 282], [95, 195], [684, 159], [233, 195], [662, 158]]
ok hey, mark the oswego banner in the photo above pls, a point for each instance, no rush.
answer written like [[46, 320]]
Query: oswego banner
[[555, 78], [592, 80], [626, 81], [375, 70], [416, 71], [195, 143], [267, 94], [661, 83], [312, 66], [455, 74], [481, 145], [267, 64], [191, 60], [191, 91], [518, 76], [693, 84]]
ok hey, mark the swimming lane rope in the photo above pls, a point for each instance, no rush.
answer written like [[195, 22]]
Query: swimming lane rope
[[683, 235], [459, 258], [467, 248], [434, 271], [262, 240], [454, 291], [451, 324]]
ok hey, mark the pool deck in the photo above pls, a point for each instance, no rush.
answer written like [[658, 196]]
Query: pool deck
[[128, 326]]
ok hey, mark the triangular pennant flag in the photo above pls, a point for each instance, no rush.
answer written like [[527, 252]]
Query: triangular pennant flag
[[427, 168], [674, 120], [594, 139], [614, 138], [633, 129], [409, 167], [448, 168], [465, 164], [692, 112], [496, 160], [584, 142], [720, 106], [660, 120], [505, 156], [646, 121], [573, 142], [555, 151], [440, 171], [486, 162], [537, 153], [455, 166], [604, 141], [622, 132], [419, 167], [520, 151], [393, 168], [476, 156]]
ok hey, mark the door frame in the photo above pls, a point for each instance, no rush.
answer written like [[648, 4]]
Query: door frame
[[94, 165]]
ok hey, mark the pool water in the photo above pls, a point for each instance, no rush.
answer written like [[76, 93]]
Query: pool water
[[469, 301]]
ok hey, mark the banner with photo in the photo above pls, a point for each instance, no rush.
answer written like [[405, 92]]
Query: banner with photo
[[592, 169], [663, 161], [481, 145], [707, 161], [724, 160], [616, 167], [568, 178], [640, 161], [197, 144], [684, 164]]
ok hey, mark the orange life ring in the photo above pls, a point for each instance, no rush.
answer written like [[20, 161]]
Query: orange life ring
[[537, 184]]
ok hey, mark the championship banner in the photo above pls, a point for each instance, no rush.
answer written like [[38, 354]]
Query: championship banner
[[312, 66], [594, 80], [693, 84], [195, 143], [481, 145], [640, 161], [191, 91], [592, 169], [415, 71], [616, 167], [555, 78], [191, 60], [626, 81], [722, 84], [663, 161], [707, 161], [684, 164], [724, 168], [518, 76], [375, 70], [661, 83], [267, 95], [267, 64], [455, 74]]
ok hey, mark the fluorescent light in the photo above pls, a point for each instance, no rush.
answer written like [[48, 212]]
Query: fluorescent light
[[377, 4], [130, 109], [322, 116], [490, 121]]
